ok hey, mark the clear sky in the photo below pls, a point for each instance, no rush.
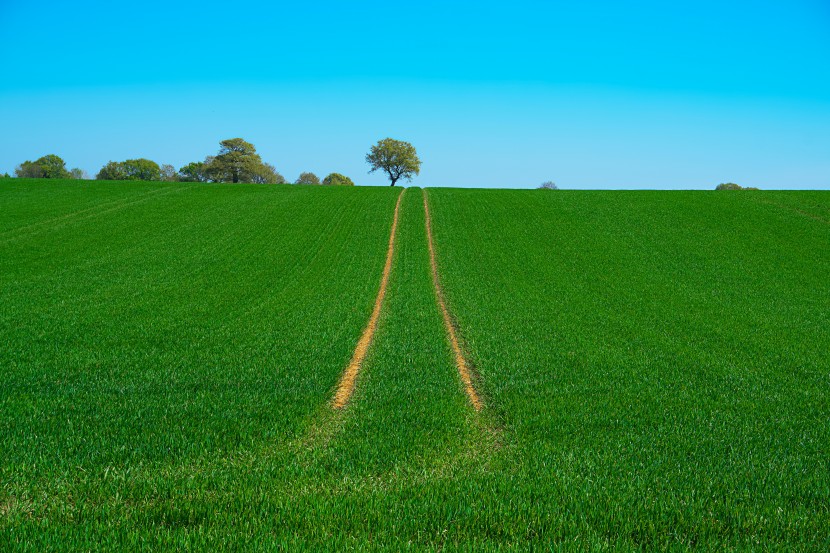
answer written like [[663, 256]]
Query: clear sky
[[590, 94]]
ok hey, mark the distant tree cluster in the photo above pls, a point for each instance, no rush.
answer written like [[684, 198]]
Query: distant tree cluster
[[131, 169], [236, 162], [548, 185], [733, 186], [333, 179], [47, 167]]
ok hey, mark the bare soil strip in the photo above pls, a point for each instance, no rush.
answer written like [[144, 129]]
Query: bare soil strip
[[464, 366], [349, 377]]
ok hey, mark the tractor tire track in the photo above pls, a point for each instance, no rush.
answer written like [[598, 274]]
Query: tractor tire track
[[465, 368], [346, 387]]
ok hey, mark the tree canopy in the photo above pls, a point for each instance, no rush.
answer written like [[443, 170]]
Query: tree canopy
[[265, 173], [195, 171], [396, 158], [78, 174], [336, 179], [131, 169], [237, 161], [168, 173], [47, 167], [307, 178]]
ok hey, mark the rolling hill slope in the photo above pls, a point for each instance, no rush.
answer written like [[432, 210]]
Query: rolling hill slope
[[653, 368]]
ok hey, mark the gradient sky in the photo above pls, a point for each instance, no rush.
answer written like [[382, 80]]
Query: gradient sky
[[594, 94]]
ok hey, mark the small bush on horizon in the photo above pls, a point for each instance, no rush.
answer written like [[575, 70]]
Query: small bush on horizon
[[548, 185], [168, 173], [265, 173], [733, 186], [78, 174], [307, 178], [336, 179]]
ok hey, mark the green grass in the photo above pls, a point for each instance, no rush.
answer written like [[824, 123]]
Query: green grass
[[659, 359], [655, 367]]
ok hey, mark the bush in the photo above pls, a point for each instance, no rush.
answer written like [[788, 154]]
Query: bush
[[336, 179], [111, 171], [194, 172], [131, 169], [307, 178], [47, 167], [265, 173], [168, 173], [548, 185], [729, 186]]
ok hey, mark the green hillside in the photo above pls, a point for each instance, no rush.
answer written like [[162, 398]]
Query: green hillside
[[654, 368], [659, 360]]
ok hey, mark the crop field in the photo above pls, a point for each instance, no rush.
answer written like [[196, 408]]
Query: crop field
[[650, 370]]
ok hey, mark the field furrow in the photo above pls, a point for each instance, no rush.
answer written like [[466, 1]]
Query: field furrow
[[465, 370], [347, 381]]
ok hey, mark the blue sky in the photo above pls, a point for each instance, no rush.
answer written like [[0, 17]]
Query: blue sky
[[509, 94]]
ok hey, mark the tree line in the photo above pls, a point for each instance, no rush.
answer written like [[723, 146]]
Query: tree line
[[236, 162]]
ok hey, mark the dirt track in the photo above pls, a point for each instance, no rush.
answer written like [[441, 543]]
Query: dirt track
[[347, 381], [464, 367]]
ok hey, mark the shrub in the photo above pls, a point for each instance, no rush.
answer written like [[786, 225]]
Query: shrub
[[168, 173], [336, 179], [47, 167], [266, 173], [131, 169], [548, 185], [729, 186], [307, 178]]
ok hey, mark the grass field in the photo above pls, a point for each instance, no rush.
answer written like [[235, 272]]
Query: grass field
[[654, 369]]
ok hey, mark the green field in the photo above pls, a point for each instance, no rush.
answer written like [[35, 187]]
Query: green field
[[655, 368]]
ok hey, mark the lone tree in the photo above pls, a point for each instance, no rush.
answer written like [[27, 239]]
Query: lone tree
[[307, 178], [548, 185], [237, 162], [47, 167], [336, 179], [396, 158]]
